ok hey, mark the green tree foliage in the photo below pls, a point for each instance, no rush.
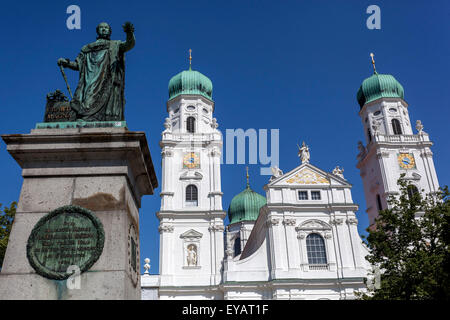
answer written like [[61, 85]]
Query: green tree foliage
[[6, 221], [410, 245]]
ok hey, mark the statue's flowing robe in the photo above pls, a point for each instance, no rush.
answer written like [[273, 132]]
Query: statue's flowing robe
[[100, 92]]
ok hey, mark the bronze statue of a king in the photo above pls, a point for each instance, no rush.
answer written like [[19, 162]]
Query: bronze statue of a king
[[100, 92]]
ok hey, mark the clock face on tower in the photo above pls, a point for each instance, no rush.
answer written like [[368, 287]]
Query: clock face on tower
[[406, 161], [191, 160]]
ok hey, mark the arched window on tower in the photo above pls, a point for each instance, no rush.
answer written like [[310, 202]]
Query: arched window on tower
[[191, 196], [369, 135], [379, 205], [396, 126], [412, 190], [315, 247], [190, 124]]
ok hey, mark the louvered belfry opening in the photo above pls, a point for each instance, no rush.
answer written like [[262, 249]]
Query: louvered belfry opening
[[190, 124], [396, 126]]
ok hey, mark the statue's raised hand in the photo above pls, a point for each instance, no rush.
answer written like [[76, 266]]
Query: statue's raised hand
[[128, 27]]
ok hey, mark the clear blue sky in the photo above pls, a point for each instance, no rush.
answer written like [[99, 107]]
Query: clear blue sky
[[288, 65]]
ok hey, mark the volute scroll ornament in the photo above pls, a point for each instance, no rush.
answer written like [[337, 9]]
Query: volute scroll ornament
[[289, 222], [301, 236], [165, 228], [336, 221], [273, 221], [215, 228]]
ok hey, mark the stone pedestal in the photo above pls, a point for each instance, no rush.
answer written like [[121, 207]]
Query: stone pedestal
[[106, 170]]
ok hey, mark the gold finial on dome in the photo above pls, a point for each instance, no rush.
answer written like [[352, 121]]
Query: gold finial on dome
[[248, 182], [190, 59], [373, 62]]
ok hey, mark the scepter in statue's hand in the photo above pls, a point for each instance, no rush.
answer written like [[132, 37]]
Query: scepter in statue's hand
[[66, 62]]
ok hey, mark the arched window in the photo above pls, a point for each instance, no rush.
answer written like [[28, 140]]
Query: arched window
[[190, 124], [315, 246], [396, 126], [379, 206], [237, 246], [191, 196], [369, 135], [412, 190]]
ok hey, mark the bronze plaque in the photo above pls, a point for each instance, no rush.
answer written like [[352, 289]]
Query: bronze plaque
[[67, 236]]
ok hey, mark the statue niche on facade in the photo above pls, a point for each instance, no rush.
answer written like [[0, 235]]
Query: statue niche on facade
[[99, 95]]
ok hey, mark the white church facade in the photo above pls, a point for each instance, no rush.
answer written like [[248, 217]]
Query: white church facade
[[304, 243], [300, 241]]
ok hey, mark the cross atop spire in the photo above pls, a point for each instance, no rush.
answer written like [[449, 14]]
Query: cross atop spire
[[190, 59], [248, 182], [373, 63]]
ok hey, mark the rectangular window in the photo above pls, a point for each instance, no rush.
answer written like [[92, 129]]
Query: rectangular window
[[303, 195], [315, 195]]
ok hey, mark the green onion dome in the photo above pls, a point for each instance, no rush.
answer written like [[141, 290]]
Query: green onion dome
[[190, 82], [245, 206], [379, 86]]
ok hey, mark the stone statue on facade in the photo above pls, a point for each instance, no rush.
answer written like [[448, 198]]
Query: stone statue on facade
[[167, 126], [276, 172], [214, 124], [419, 127], [338, 171], [362, 149], [147, 265], [303, 153], [192, 255], [100, 92], [376, 126]]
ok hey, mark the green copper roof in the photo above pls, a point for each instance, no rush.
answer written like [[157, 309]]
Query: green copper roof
[[379, 86], [190, 82], [245, 206]]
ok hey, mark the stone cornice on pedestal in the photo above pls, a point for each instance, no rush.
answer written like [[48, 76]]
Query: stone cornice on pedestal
[[86, 151]]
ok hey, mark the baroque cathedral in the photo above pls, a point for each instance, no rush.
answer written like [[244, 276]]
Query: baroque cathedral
[[300, 241]]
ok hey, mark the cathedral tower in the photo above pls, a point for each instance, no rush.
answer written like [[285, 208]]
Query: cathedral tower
[[191, 214], [392, 148]]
